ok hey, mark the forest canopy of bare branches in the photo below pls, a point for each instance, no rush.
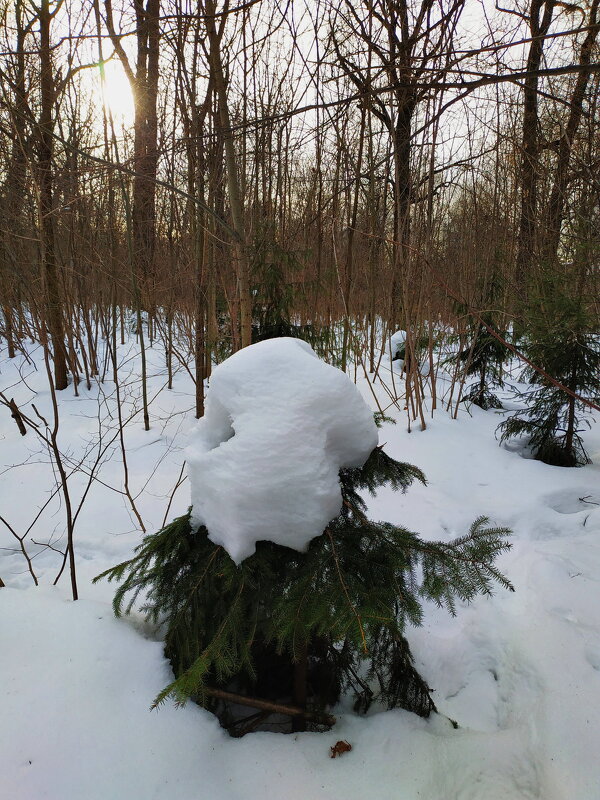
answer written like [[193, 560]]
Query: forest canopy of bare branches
[[238, 170]]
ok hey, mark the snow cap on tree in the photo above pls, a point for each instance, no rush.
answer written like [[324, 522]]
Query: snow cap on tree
[[264, 461], [397, 345]]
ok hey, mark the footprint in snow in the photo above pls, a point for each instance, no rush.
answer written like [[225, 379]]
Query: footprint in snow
[[572, 501], [592, 655]]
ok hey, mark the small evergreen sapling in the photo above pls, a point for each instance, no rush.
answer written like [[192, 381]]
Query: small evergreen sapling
[[562, 341], [274, 292], [484, 354], [301, 628], [484, 357]]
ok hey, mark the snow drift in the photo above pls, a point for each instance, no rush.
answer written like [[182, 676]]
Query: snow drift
[[263, 462]]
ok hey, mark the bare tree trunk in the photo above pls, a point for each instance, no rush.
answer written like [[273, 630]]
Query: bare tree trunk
[[46, 202], [530, 148], [349, 265], [144, 85], [240, 256], [143, 209], [300, 687], [558, 195], [13, 190]]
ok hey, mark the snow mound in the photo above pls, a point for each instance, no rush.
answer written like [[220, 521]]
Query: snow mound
[[396, 354], [263, 462], [397, 344]]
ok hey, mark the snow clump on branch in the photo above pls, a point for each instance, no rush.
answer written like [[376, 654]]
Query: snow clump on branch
[[263, 462]]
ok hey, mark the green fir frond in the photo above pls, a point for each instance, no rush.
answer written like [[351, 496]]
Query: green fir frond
[[343, 604], [380, 418]]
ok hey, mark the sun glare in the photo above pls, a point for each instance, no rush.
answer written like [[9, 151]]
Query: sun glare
[[116, 94]]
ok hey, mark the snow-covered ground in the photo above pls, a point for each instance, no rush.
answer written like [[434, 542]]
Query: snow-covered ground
[[519, 672]]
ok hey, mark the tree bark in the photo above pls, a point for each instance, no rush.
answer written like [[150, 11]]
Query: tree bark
[[558, 195], [46, 202], [300, 687], [530, 148], [13, 190], [145, 156], [238, 246], [144, 85]]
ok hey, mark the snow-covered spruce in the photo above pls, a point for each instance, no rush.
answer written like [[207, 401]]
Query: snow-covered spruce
[[292, 626], [265, 459], [397, 345], [399, 353]]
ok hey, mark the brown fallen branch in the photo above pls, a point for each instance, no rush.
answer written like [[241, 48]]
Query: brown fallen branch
[[16, 415], [273, 708]]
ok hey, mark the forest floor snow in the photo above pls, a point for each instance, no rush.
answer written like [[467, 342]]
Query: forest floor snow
[[519, 672]]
